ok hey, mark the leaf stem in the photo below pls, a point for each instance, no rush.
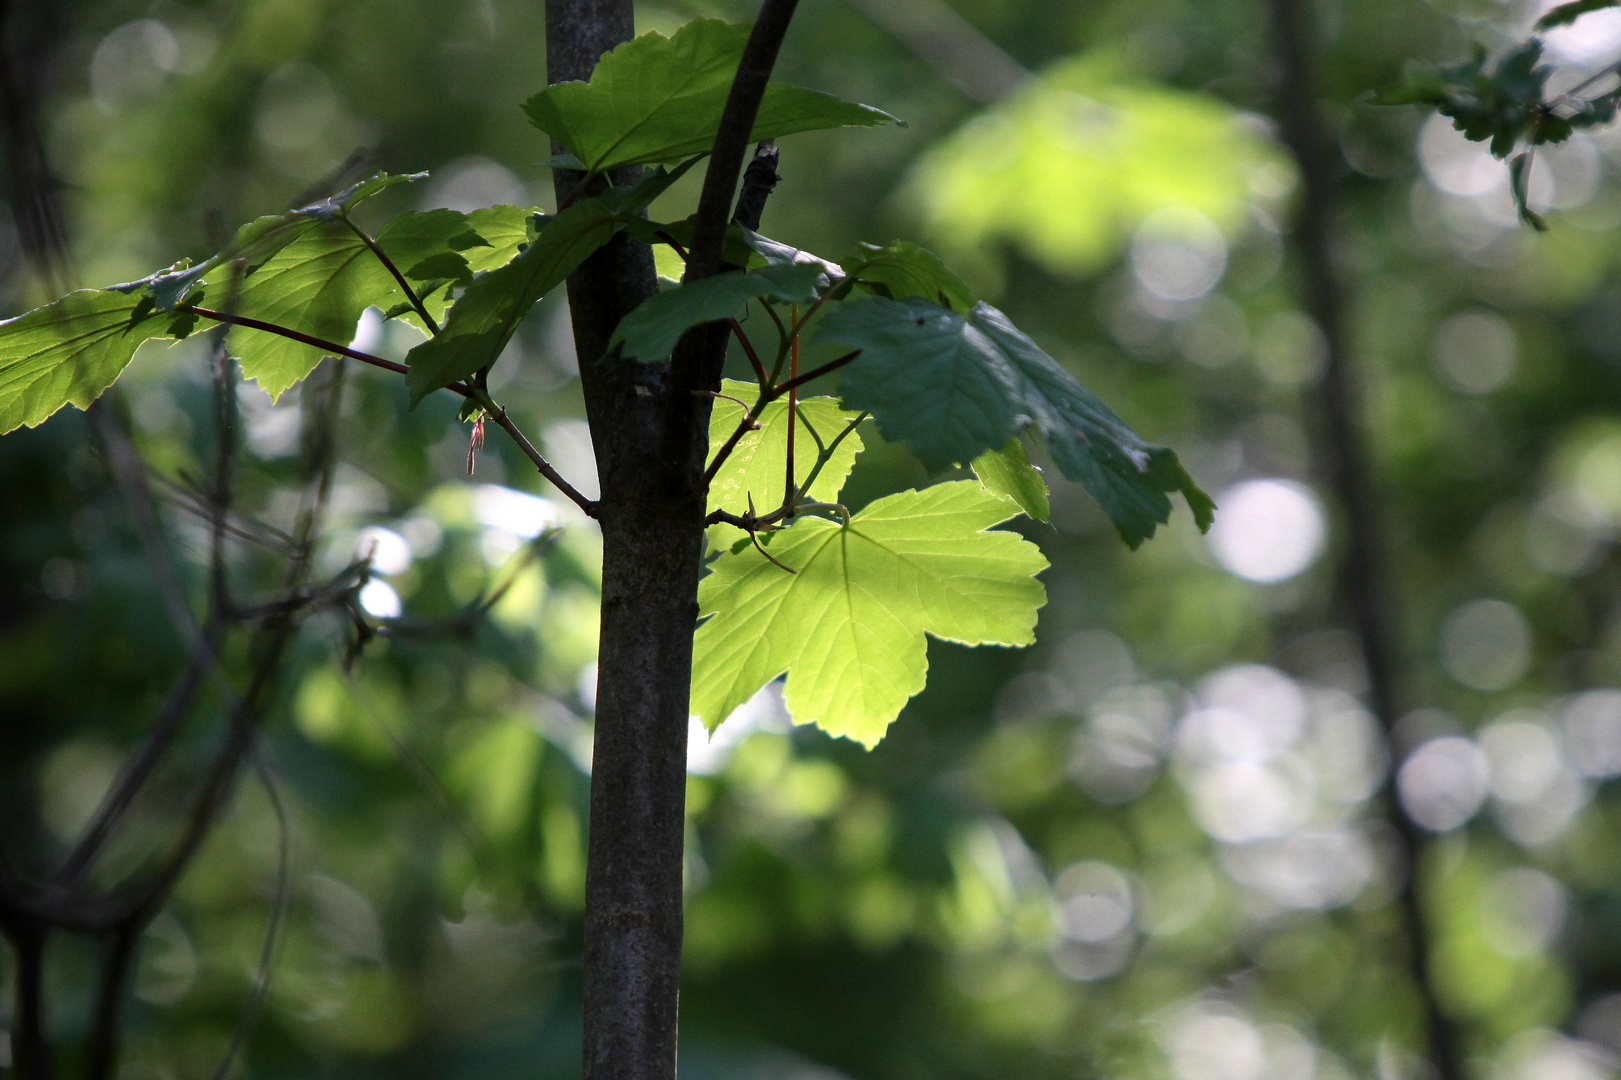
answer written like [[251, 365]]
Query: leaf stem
[[388, 264], [767, 397], [825, 455], [497, 413]]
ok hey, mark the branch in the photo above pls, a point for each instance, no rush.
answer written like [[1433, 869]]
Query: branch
[[815, 373], [732, 138], [463, 389], [278, 910], [545, 467], [751, 420], [410, 293], [30, 1049], [759, 181], [102, 1054], [1364, 585], [748, 347]]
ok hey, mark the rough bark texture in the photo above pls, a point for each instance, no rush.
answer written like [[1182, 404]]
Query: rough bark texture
[[650, 458], [1364, 573]]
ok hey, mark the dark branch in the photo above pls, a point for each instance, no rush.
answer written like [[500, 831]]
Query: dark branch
[[410, 293], [759, 180], [736, 124]]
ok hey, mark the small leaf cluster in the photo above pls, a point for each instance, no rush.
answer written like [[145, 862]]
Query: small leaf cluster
[[1505, 104]]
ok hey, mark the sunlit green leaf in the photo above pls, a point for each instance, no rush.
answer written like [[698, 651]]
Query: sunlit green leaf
[[1008, 472], [848, 626], [321, 282], [757, 466], [484, 319], [952, 386], [68, 352], [658, 99], [651, 331]]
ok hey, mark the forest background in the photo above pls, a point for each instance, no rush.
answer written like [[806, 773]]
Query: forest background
[[1151, 846]]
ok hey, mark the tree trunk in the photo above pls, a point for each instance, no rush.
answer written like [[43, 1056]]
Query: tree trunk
[[1365, 581], [650, 458]]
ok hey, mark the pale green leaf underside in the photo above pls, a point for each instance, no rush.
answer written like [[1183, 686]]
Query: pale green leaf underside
[[1008, 472], [657, 99], [70, 351], [952, 385], [757, 465], [651, 331], [849, 626]]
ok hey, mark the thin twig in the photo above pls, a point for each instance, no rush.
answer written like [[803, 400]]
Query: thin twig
[[410, 293], [463, 389], [280, 894], [815, 373], [588, 505], [826, 453], [748, 348]]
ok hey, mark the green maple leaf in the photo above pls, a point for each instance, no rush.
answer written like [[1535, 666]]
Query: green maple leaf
[[485, 318], [319, 284], [651, 330], [901, 270], [658, 99], [1008, 472], [848, 626], [69, 351], [952, 385], [756, 467]]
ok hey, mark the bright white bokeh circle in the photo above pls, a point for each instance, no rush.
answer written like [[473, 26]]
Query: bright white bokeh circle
[[1267, 530]]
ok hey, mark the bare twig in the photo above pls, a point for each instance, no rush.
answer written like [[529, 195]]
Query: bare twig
[[281, 892], [399, 278], [545, 468], [748, 349]]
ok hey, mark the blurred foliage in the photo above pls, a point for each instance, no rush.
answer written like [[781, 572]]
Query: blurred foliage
[[1148, 846]]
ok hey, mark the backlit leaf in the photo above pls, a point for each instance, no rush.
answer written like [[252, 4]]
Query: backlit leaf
[[484, 319], [320, 283], [658, 99], [848, 626], [1008, 472], [952, 386], [68, 352], [757, 464]]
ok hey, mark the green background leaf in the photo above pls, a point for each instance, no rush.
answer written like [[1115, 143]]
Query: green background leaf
[[848, 627]]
